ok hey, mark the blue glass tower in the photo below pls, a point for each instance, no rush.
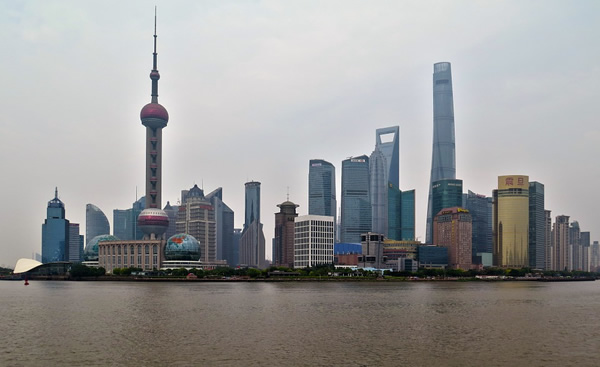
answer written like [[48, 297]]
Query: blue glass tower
[[321, 189], [96, 222], [55, 232], [443, 159], [356, 203]]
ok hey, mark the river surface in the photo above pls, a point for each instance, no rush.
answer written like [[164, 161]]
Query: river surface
[[299, 324]]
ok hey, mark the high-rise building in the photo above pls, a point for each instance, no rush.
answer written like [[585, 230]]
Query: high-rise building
[[321, 188], [574, 247], [548, 243], [55, 232], [452, 228], [224, 218], [510, 211], [196, 217], [237, 235], [443, 158], [537, 233], [585, 250], [356, 199], [445, 193], [384, 167], [171, 211], [595, 256], [125, 221], [407, 215], [75, 243], [314, 239], [153, 221], [480, 207], [96, 222], [560, 242], [252, 241], [283, 243]]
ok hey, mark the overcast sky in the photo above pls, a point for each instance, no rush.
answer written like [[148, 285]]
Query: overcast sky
[[255, 89]]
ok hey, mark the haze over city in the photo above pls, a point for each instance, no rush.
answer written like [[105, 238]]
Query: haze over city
[[255, 90]]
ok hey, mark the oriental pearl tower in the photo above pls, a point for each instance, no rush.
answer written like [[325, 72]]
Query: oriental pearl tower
[[153, 221]]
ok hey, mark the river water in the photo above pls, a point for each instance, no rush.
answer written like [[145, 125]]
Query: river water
[[299, 324]]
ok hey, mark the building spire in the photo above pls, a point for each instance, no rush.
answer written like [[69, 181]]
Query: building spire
[[154, 75], [56, 192]]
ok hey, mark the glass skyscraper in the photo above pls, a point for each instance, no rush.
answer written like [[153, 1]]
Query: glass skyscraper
[[321, 189], [55, 232], [446, 193], [384, 167], [96, 222], [443, 159], [356, 203], [125, 226], [252, 241], [407, 214], [480, 207], [537, 233]]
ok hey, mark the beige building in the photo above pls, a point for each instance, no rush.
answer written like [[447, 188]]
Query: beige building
[[144, 254], [560, 242], [196, 217], [453, 229], [510, 222]]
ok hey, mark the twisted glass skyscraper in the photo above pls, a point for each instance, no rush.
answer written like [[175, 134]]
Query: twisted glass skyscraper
[[443, 159]]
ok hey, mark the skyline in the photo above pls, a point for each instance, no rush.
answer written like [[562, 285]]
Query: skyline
[[316, 79]]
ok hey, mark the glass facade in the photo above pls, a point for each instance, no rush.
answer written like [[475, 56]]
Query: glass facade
[[407, 215], [356, 203], [443, 159], [321, 188], [537, 233], [55, 232], [480, 208], [252, 206], [511, 222], [432, 256], [394, 196], [96, 222], [446, 193], [125, 225]]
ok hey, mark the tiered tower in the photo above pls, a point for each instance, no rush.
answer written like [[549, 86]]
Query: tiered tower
[[153, 221]]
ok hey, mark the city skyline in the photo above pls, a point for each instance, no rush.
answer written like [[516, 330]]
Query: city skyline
[[72, 117]]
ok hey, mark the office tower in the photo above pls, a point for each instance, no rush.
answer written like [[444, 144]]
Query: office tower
[[321, 188], [153, 221], [510, 207], [384, 169], [443, 160], [237, 235], [283, 243], [574, 247], [480, 208], [537, 233], [96, 222], [75, 243], [595, 257], [171, 211], [55, 232], [196, 217], [548, 243], [445, 193], [314, 238], [407, 216], [453, 229], [356, 199], [584, 246], [224, 218], [252, 241], [125, 221], [560, 242]]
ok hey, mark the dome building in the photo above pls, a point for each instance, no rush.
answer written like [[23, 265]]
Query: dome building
[[182, 247]]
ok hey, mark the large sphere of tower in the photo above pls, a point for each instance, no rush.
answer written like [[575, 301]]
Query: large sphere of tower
[[153, 221], [154, 115]]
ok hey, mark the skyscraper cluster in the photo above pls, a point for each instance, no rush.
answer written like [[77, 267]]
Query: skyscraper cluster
[[511, 229]]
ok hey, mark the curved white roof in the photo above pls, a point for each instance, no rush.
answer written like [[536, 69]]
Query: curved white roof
[[24, 265]]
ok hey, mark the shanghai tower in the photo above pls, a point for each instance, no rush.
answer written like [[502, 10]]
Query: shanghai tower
[[443, 160]]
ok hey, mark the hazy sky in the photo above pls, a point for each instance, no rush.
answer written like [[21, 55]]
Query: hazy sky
[[255, 89]]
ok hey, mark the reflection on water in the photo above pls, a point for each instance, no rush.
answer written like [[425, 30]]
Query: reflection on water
[[300, 323]]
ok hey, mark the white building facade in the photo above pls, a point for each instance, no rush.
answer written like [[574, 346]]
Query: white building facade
[[313, 240]]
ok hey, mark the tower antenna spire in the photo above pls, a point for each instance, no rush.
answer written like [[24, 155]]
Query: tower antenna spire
[[154, 75]]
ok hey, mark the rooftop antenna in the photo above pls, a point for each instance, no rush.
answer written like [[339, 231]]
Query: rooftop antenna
[[288, 193], [154, 74]]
